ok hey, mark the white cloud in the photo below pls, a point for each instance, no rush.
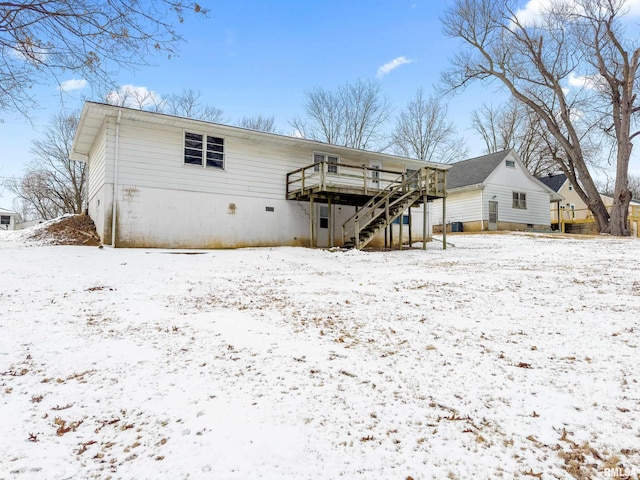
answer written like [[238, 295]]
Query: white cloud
[[392, 65], [73, 84], [581, 81], [534, 8], [589, 82], [634, 7], [531, 11], [133, 96]]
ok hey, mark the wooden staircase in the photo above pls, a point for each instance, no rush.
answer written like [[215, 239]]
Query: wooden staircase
[[381, 210]]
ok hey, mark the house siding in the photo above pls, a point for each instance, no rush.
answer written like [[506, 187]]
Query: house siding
[[161, 202], [96, 184], [13, 217], [470, 205], [462, 206], [536, 213]]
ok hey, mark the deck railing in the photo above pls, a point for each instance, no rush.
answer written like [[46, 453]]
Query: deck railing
[[363, 179], [582, 216]]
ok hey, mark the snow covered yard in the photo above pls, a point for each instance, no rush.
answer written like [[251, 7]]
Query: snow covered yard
[[508, 356]]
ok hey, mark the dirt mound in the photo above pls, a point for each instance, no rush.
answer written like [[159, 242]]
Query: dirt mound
[[69, 230]]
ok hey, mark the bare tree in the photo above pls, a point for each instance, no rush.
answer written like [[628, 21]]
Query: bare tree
[[606, 186], [422, 131], [132, 96], [537, 61], [53, 184], [258, 122], [353, 116], [90, 38], [512, 125], [187, 103]]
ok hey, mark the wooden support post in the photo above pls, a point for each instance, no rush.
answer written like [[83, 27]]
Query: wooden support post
[[323, 181], [312, 228], [425, 218], [444, 223], [330, 220], [401, 217], [410, 228]]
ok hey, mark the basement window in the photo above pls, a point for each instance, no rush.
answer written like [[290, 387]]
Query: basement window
[[405, 220], [520, 200], [203, 150]]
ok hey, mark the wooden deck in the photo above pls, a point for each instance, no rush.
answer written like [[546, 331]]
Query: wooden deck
[[353, 184]]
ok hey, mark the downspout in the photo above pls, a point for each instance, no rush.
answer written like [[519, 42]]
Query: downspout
[[482, 210], [115, 182]]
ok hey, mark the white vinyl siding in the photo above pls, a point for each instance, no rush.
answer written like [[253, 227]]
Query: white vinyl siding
[[163, 202], [461, 207], [536, 213], [150, 156], [97, 168]]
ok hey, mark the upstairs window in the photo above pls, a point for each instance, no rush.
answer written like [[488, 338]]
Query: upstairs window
[[520, 200], [332, 160], [510, 163], [203, 150]]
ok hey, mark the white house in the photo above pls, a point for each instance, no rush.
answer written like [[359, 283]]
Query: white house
[[8, 219], [494, 192], [157, 180]]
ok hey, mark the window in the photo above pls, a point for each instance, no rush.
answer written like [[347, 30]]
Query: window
[[5, 220], [405, 220], [520, 200], [332, 160], [414, 183], [510, 163], [207, 153], [324, 217]]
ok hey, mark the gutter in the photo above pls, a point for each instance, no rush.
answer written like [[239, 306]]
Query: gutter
[[115, 182]]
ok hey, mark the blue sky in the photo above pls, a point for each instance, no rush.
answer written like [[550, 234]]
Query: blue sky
[[259, 58]]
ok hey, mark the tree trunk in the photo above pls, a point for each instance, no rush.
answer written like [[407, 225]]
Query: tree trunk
[[622, 195]]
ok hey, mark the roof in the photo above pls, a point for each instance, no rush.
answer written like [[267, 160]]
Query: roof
[[474, 170], [4, 211], [94, 114], [554, 182]]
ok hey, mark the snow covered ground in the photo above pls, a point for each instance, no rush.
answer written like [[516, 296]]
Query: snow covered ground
[[508, 356]]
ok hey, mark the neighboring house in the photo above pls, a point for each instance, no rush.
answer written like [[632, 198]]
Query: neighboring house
[[157, 180], [29, 224], [494, 192], [8, 219], [573, 210]]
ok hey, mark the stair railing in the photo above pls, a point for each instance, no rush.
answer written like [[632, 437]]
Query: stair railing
[[396, 193]]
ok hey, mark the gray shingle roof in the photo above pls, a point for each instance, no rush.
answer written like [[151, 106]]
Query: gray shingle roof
[[554, 182], [474, 170]]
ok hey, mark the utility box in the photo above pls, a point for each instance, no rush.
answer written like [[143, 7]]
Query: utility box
[[456, 226]]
